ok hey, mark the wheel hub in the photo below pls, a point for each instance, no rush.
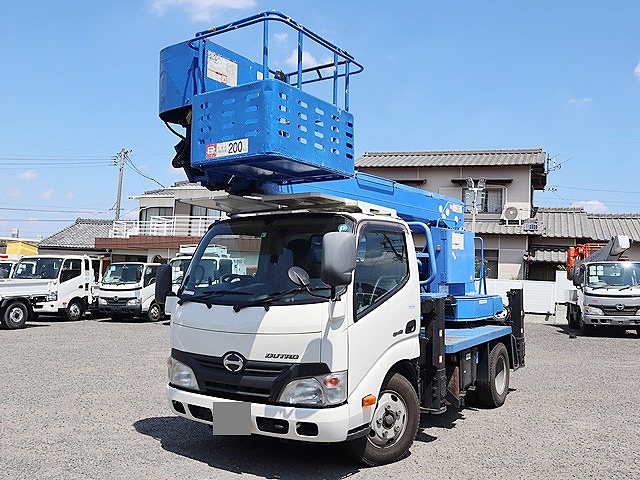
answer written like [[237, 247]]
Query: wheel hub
[[389, 420]]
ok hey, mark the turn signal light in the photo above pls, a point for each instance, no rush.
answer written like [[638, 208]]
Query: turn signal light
[[368, 400]]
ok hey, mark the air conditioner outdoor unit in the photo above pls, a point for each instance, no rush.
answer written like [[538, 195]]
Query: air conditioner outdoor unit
[[512, 214]]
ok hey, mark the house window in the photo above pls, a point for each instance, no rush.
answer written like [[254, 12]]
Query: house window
[[490, 263], [198, 211], [147, 213], [489, 200]]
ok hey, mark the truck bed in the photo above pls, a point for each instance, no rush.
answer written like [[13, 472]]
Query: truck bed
[[458, 339]]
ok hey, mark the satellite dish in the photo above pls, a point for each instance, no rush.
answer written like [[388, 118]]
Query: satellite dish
[[511, 213]]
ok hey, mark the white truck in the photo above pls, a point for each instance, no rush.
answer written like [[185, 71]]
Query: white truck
[[7, 264], [358, 308], [607, 292], [47, 284], [216, 263], [127, 289]]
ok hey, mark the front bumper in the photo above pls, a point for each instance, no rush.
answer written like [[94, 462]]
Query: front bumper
[[292, 423], [120, 310], [607, 320]]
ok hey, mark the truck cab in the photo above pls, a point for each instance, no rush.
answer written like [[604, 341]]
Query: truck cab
[[127, 289]]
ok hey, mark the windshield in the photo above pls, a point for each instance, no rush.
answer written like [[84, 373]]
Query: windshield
[[613, 275], [37, 267], [258, 253], [123, 273]]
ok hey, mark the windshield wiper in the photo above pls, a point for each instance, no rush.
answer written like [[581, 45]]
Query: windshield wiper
[[265, 300], [627, 287], [206, 297]]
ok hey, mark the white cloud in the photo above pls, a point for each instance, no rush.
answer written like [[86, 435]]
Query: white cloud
[[201, 10], [281, 37], [580, 101], [69, 196], [308, 60], [592, 206], [636, 71], [14, 192], [47, 193], [28, 175]]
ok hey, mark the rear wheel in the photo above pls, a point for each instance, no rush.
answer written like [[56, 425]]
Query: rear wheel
[[393, 427], [154, 314], [494, 392], [15, 315], [74, 311]]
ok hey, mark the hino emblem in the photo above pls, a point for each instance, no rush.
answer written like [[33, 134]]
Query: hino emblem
[[619, 307], [234, 362]]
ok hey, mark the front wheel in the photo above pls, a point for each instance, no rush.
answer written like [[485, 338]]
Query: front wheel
[[15, 315], [154, 314], [494, 392], [393, 427], [74, 310]]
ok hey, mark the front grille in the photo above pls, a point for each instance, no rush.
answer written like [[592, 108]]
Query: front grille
[[119, 302], [259, 382], [613, 311]]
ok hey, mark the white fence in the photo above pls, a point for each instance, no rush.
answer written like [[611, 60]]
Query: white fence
[[163, 226], [539, 297]]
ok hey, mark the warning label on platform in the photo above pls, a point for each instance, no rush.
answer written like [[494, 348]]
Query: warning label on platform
[[222, 69]]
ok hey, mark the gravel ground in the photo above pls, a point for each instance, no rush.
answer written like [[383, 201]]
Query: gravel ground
[[86, 400]]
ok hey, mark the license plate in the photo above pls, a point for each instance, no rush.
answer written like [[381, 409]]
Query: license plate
[[231, 418]]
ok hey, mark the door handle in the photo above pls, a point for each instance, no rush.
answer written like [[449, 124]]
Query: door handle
[[410, 327]]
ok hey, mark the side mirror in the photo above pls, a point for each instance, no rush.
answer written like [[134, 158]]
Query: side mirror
[[138, 276], [578, 273], [163, 283], [298, 276], [338, 258]]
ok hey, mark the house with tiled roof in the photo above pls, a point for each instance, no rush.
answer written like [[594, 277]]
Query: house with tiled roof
[[503, 207], [520, 240], [79, 237]]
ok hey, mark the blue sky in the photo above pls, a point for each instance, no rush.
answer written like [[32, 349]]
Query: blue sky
[[79, 82]]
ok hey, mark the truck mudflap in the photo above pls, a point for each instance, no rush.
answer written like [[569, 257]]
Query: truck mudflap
[[516, 319]]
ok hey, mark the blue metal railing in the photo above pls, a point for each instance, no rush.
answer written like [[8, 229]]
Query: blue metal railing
[[340, 67]]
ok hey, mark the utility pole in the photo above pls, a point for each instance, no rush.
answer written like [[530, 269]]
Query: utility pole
[[121, 156]]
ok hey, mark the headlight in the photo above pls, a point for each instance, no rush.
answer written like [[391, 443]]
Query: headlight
[[181, 375], [637, 311], [589, 310], [102, 301], [322, 390], [133, 302], [52, 296]]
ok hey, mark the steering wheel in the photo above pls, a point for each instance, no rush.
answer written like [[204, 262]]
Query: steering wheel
[[232, 278]]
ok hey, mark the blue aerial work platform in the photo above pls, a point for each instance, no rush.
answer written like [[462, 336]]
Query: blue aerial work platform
[[253, 129]]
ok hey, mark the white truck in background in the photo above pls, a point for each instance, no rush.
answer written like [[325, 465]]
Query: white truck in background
[[7, 264], [127, 289], [50, 284], [607, 292], [216, 263]]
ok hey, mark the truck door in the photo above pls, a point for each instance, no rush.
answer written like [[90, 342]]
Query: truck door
[[386, 308], [148, 286], [72, 281]]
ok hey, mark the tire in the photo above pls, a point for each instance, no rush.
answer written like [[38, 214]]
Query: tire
[[494, 392], [585, 328], [573, 317], [15, 315], [74, 311], [393, 427], [155, 314]]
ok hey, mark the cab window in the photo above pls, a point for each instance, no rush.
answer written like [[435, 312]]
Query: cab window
[[381, 266], [71, 268]]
